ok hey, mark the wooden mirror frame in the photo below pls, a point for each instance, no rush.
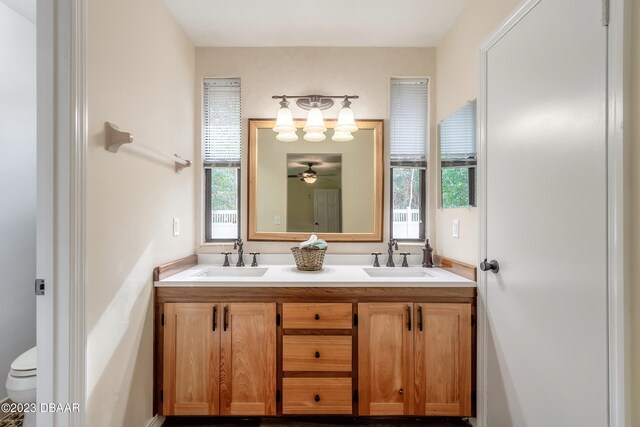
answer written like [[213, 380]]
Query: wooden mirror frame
[[378, 187]]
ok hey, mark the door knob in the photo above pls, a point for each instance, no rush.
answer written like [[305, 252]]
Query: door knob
[[490, 266]]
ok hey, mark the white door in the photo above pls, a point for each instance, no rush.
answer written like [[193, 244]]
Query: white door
[[546, 219], [326, 211]]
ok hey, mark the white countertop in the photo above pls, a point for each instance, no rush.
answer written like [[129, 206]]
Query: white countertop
[[279, 275]]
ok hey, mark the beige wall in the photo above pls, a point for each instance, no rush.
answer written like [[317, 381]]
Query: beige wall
[[634, 257], [269, 71], [140, 76], [457, 84]]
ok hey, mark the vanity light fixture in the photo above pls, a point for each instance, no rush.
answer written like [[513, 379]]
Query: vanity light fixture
[[314, 128], [284, 123], [341, 136], [346, 121]]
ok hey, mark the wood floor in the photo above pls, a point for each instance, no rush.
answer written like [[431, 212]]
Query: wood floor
[[312, 422]]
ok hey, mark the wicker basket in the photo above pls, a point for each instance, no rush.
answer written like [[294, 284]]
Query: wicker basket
[[308, 259]]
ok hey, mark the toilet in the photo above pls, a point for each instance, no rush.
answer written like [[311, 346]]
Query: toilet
[[21, 383]]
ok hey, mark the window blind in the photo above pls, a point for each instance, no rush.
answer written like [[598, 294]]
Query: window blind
[[221, 120], [408, 124], [458, 135]]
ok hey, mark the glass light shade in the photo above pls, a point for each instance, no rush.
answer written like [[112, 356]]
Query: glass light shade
[[310, 179], [314, 136], [284, 121], [346, 121], [342, 136], [287, 136], [315, 122]]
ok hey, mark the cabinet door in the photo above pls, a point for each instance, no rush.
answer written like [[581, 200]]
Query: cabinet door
[[385, 359], [443, 359], [191, 359], [248, 359]]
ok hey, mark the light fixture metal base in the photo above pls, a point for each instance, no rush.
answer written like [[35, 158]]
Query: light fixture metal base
[[307, 102], [314, 101]]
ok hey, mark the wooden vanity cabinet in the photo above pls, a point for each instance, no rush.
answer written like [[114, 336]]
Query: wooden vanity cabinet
[[191, 359], [265, 351], [443, 359], [415, 358], [385, 359], [248, 359], [317, 359], [219, 359]]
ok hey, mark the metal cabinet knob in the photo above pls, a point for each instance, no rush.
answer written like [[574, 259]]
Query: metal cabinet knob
[[317, 355], [317, 316], [317, 398]]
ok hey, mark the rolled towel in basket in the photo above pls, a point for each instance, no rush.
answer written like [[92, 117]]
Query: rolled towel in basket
[[318, 244], [309, 242]]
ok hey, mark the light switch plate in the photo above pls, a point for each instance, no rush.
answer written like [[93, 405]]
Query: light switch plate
[[276, 220], [456, 228], [176, 227]]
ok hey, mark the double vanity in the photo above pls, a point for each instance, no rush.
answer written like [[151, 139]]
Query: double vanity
[[353, 339], [350, 339]]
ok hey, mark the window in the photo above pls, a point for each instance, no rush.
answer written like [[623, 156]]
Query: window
[[458, 158], [408, 140], [221, 133]]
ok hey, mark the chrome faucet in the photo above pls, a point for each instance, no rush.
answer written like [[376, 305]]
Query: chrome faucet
[[238, 244], [392, 243]]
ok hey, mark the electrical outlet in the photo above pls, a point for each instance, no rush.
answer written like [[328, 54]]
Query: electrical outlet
[[276, 220], [456, 228], [176, 227]]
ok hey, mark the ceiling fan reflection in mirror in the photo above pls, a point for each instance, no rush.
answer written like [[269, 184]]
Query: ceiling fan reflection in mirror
[[309, 176]]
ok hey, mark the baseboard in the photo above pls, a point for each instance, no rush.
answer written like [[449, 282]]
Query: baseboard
[[156, 421]]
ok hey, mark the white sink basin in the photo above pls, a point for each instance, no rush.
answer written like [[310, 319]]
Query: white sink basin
[[397, 272], [233, 272]]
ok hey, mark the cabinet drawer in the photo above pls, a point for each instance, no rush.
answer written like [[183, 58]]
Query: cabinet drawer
[[316, 396], [317, 316], [316, 353]]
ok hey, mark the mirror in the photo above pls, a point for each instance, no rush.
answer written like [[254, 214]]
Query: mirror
[[333, 189], [458, 158]]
